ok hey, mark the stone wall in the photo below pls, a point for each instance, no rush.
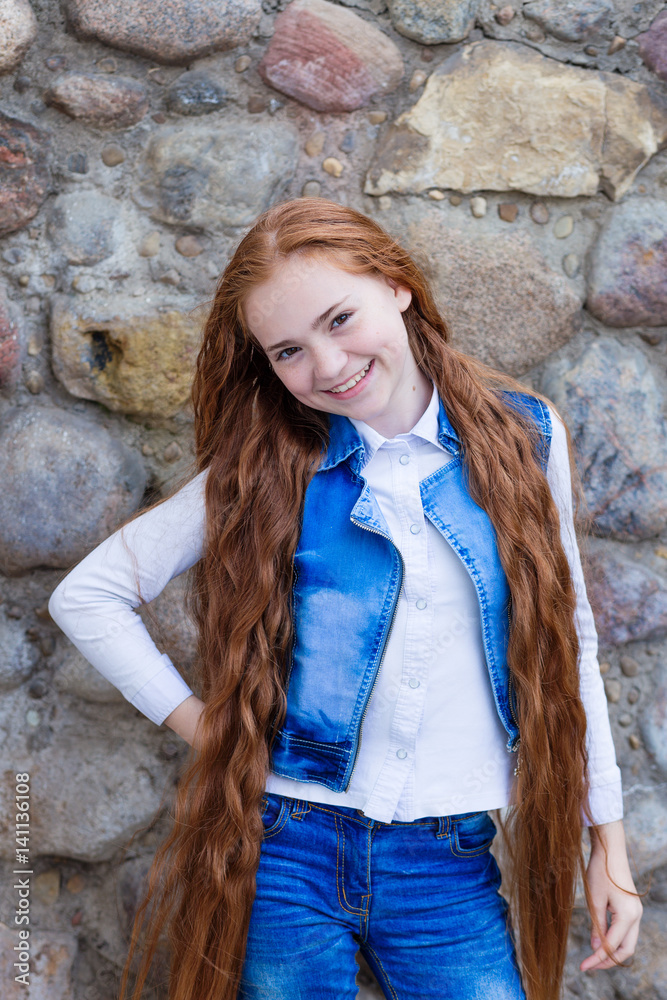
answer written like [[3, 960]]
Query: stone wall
[[514, 148]]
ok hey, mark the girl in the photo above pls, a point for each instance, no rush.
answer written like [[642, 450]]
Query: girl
[[394, 639]]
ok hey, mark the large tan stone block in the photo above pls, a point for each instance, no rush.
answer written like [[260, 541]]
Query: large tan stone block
[[498, 117]]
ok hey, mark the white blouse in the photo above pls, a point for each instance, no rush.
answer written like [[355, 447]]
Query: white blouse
[[432, 742]]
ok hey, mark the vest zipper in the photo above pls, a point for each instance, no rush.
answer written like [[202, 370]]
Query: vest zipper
[[386, 640]]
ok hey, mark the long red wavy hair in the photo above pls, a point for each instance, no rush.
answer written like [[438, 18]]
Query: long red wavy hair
[[262, 447]]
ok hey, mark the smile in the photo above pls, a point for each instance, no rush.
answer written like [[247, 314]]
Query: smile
[[344, 386]]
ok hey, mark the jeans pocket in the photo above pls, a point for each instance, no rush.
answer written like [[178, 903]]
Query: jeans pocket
[[472, 835], [275, 813]]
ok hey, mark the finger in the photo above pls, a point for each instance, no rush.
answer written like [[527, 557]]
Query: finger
[[622, 940]]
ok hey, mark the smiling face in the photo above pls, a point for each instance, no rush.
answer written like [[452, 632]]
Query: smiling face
[[338, 342]]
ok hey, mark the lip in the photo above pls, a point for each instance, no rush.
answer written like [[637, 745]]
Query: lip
[[356, 389]]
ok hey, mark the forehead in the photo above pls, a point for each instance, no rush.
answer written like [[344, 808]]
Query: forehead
[[298, 291]]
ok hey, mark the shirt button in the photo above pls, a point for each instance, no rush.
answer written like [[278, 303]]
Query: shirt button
[[401, 754], [421, 604], [413, 682], [415, 528], [404, 459]]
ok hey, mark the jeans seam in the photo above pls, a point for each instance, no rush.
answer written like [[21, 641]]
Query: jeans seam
[[382, 968], [340, 874], [283, 816]]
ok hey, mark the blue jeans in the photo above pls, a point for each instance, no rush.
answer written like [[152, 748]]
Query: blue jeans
[[420, 900]]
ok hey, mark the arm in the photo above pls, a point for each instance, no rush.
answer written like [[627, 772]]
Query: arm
[[184, 718], [95, 604], [606, 798]]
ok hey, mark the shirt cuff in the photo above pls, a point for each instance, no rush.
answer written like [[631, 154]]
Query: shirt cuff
[[164, 692], [606, 802]]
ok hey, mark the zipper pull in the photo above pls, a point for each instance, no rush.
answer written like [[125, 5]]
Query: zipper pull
[[519, 758]]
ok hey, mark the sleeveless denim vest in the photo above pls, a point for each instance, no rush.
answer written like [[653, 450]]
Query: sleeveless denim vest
[[347, 580]]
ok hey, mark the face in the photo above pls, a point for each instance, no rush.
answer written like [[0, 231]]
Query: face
[[338, 342]]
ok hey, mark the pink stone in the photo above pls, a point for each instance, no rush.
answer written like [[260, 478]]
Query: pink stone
[[329, 58], [99, 100], [24, 173], [653, 45]]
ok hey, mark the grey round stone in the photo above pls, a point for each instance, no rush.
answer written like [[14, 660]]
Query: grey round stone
[[629, 600], [67, 484], [210, 178], [433, 21], [613, 406], [195, 93], [654, 721], [628, 277], [84, 226]]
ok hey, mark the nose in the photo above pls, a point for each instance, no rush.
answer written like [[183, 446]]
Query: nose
[[329, 361]]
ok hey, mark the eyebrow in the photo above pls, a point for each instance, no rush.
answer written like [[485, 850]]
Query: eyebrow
[[313, 326]]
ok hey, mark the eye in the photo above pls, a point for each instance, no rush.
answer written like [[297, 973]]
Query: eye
[[341, 316], [284, 355]]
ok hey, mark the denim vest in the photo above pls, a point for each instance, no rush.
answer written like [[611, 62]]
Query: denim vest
[[347, 579]]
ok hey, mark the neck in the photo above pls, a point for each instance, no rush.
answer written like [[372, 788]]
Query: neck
[[412, 406]]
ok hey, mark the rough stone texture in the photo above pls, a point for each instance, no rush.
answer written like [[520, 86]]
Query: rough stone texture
[[105, 101], [572, 20], [645, 825], [195, 93], [10, 353], [550, 129], [654, 720], [329, 58], [18, 30], [24, 172], [17, 655], [628, 274], [108, 775], [613, 407], [629, 600], [433, 21], [653, 45], [52, 955], [65, 708], [84, 226], [177, 31], [521, 309], [125, 354], [48, 456], [210, 177]]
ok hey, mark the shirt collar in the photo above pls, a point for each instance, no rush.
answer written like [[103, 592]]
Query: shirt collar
[[355, 440]]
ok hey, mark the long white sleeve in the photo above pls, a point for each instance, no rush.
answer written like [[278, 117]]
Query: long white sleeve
[[95, 604], [606, 797]]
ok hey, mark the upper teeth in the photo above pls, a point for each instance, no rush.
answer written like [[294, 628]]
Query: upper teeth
[[353, 380]]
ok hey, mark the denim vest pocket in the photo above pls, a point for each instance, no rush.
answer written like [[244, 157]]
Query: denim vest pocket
[[275, 813], [471, 835]]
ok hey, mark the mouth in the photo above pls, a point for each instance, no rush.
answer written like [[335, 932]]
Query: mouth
[[346, 387]]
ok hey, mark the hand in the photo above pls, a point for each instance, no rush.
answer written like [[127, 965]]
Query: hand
[[625, 909]]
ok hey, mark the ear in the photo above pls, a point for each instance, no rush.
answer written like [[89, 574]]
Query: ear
[[403, 296]]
